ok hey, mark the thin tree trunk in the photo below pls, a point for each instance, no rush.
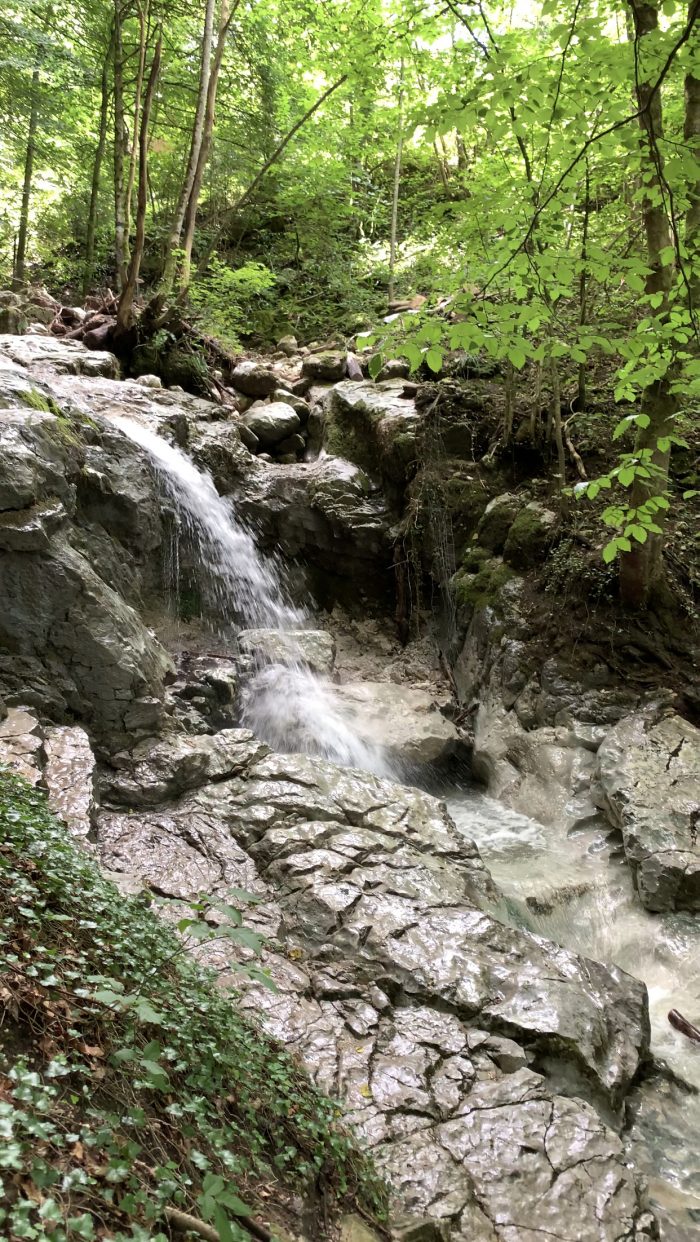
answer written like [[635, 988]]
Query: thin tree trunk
[[195, 148], [225, 19], [557, 425], [582, 287], [21, 251], [126, 300], [97, 168], [397, 186], [121, 143], [641, 567], [135, 126], [279, 150], [691, 133]]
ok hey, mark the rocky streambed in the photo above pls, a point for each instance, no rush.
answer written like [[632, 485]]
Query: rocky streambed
[[503, 1076]]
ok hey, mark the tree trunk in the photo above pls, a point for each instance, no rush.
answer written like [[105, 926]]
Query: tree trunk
[[126, 301], [640, 568], [225, 19], [97, 169], [278, 151], [198, 128], [121, 144], [135, 127], [691, 133], [21, 252], [397, 186]]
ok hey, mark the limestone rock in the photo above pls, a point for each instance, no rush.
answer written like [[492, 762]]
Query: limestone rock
[[326, 366], [530, 535], [253, 379], [21, 743], [69, 775], [404, 719], [314, 648], [56, 353], [30, 530], [650, 775], [13, 320], [497, 520], [272, 423], [373, 425], [157, 770]]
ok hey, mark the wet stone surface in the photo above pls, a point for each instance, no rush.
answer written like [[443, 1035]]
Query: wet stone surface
[[463, 1049]]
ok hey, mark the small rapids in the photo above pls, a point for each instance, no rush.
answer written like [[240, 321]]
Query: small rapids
[[288, 705], [576, 890]]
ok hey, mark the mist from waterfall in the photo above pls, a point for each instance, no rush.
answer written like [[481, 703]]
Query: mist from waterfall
[[288, 705]]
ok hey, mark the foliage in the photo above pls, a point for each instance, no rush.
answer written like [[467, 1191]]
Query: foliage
[[233, 302], [128, 1081]]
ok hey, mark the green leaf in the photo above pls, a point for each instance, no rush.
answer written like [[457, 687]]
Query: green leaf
[[610, 551], [375, 365], [147, 1013], [434, 358], [626, 476]]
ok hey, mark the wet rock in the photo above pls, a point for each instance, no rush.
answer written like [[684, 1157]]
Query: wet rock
[[649, 772], [21, 743], [293, 447], [403, 719], [530, 535], [314, 648], [248, 438], [13, 320], [157, 770], [497, 520], [69, 775], [326, 366], [253, 379], [53, 353], [288, 345], [30, 530], [272, 423], [297, 403]]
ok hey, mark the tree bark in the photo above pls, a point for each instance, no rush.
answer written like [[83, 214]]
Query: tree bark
[[691, 133], [121, 143], [18, 275], [225, 19], [126, 301], [198, 127], [97, 168], [641, 568], [397, 186], [135, 126]]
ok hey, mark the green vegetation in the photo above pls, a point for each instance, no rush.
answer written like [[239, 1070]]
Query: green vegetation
[[129, 1084]]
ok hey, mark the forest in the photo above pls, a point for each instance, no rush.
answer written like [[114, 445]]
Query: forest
[[349, 603]]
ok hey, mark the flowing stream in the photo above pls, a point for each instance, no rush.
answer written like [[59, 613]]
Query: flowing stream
[[574, 890]]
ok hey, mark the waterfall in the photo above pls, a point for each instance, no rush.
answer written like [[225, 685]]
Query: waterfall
[[288, 705]]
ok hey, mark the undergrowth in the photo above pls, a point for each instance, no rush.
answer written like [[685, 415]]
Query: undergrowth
[[131, 1088]]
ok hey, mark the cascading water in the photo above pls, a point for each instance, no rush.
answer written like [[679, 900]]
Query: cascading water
[[576, 890], [287, 705]]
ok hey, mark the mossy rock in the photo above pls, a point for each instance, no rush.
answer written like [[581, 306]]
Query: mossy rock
[[530, 536], [481, 588], [496, 521]]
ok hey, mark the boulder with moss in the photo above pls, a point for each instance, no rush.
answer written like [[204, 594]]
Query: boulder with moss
[[532, 532]]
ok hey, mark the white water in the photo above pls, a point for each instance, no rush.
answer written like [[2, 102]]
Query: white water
[[288, 705], [576, 890]]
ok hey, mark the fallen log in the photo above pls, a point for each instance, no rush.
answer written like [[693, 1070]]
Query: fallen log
[[679, 1023]]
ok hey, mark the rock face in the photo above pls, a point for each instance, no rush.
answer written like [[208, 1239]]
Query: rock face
[[403, 719], [70, 495], [459, 1045], [374, 425], [69, 774], [650, 775], [69, 357], [314, 648]]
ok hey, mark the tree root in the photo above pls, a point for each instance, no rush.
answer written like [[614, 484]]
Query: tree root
[[184, 1223]]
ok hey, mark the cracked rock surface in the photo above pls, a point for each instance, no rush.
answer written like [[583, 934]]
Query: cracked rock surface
[[462, 1048], [649, 775]]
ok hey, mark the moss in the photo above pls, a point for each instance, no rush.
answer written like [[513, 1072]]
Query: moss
[[129, 1082], [529, 537], [36, 400], [474, 591]]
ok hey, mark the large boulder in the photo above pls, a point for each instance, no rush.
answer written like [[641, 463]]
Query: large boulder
[[462, 1049], [44, 354], [272, 423], [330, 365], [530, 535], [254, 379], [373, 425], [497, 520], [313, 648], [404, 720], [649, 771]]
